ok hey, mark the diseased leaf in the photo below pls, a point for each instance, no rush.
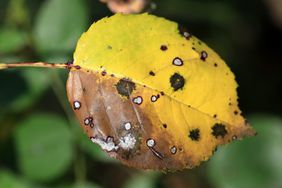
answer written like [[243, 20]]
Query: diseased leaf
[[142, 87]]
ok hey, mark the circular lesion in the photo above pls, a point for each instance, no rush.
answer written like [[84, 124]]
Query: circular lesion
[[125, 87], [177, 81]]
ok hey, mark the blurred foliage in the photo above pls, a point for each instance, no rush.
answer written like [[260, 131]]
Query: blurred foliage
[[41, 143]]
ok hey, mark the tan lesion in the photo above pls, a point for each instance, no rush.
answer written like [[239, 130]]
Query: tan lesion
[[172, 150]]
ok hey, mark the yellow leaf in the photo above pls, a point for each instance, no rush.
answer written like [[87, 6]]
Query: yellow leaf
[[177, 94]]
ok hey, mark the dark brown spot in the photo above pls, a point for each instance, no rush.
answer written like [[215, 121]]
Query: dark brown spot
[[125, 87], [194, 134], [215, 64], [162, 93], [68, 64], [219, 130], [164, 125], [163, 47], [236, 112], [193, 48], [215, 115], [103, 73], [152, 73], [204, 55], [177, 81], [77, 67]]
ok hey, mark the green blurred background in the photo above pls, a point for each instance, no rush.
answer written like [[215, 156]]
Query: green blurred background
[[41, 144]]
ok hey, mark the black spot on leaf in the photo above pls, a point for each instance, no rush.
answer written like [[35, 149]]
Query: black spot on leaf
[[219, 130], [177, 81], [163, 47], [152, 73], [194, 134], [125, 87]]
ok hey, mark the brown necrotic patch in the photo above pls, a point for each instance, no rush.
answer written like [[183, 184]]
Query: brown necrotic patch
[[125, 87], [194, 134], [177, 81], [163, 47], [219, 130]]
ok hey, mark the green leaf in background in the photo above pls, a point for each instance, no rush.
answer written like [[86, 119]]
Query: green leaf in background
[[80, 185], [44, 146], [37, 81], [12, 40], [59, 25], [8, 180], [254, 162], [142, 180]]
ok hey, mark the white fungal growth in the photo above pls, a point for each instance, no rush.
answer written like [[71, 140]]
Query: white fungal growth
[[154, 98], [127, 142], [186, 34], [173, 150], [138, 100], [151, 142], [76, 105], [107, 146], [177, 61], [127, 126]]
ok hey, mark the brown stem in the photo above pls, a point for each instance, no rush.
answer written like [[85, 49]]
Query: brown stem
[[36, 64]]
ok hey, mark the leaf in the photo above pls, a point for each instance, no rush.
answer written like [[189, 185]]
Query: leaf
[[58, 26], [11, 40], [176, 94], [44, 146], [256, 162], [143, 180], [8, 180], [80, 185]]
